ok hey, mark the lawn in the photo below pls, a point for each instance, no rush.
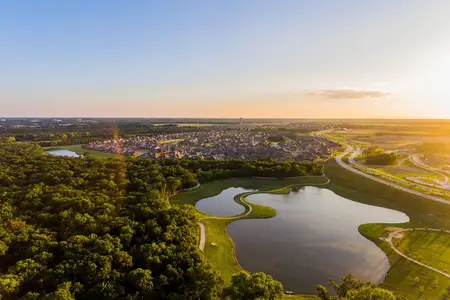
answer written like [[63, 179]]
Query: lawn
[[432, 248], [211, 189], [422, 213], [85, 152], [402, 275], [221, 253], [219, 247], [400, 278]]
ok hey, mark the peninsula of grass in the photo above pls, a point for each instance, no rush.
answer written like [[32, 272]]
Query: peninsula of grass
[[401, 278], [403, 274], [78, 149], [211, 189], [219, 247], [422, 213]]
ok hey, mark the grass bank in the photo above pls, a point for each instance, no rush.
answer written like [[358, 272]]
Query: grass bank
[[403, 274], [422, 213], [211, 189], [78, 149], [219, 247], [400, 278]]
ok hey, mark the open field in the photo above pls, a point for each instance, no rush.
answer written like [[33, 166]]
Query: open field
[[402, 275], [85, 152], [422, 212], [432, 248]]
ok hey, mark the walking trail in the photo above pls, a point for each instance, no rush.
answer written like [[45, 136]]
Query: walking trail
[[399, 231], [249, 207]]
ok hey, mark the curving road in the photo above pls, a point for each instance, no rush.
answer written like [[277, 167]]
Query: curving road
[[203, 228], [394, 233], [415, 159], [356, 152], [202, 236]]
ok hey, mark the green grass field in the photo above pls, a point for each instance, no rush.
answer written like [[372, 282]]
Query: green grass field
[[401, 276], [403, 273], [219, 247], [422, 213], [214, 188], [85, 152], [432, 248]]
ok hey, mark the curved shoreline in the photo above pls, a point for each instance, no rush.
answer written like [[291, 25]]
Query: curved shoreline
[[395, 232], [241, 199]]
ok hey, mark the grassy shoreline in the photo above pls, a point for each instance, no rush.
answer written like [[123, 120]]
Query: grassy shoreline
[[78, 149], [222, 254], [400, 277]]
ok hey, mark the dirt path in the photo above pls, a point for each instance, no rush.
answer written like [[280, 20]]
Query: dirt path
[[202, 236], [394, 233], [249, 210]]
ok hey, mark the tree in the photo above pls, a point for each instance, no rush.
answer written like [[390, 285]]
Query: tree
[[322, 293], [89, 228], [371, 293], [255, 286], [353, 289]]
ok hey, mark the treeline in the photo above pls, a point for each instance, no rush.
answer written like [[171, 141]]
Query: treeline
[[377, 156], [49, 134], [104, 229]]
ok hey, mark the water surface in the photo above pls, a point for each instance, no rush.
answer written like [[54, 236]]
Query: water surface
[[223, 204], [63, 152], [314, 237]]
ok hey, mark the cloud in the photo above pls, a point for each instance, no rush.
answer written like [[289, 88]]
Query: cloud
[[349, 94]]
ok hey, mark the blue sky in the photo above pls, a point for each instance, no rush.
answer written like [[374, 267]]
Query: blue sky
[[251, 58]]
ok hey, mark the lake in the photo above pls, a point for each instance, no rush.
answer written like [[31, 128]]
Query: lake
[[223, 204], [63, 152], [314, 237]]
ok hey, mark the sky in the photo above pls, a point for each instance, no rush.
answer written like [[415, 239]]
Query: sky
[[225, 58]]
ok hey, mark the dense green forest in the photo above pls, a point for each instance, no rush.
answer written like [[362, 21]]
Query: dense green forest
[[94, 228], [51, 134]]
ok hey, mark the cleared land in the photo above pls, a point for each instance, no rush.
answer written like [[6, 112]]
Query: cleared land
[[402, 276], [432, 248], [85, 152]]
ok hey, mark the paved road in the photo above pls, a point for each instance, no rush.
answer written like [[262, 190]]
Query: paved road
[[202, 226], [202, 236], [355, 153], [415, 159], [394, 233]]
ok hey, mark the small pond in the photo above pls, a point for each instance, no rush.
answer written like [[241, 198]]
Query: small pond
[[223, 204], [63, 152], [314, 237]]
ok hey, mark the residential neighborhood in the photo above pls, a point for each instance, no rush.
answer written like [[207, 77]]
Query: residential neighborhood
[[220, 144]]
